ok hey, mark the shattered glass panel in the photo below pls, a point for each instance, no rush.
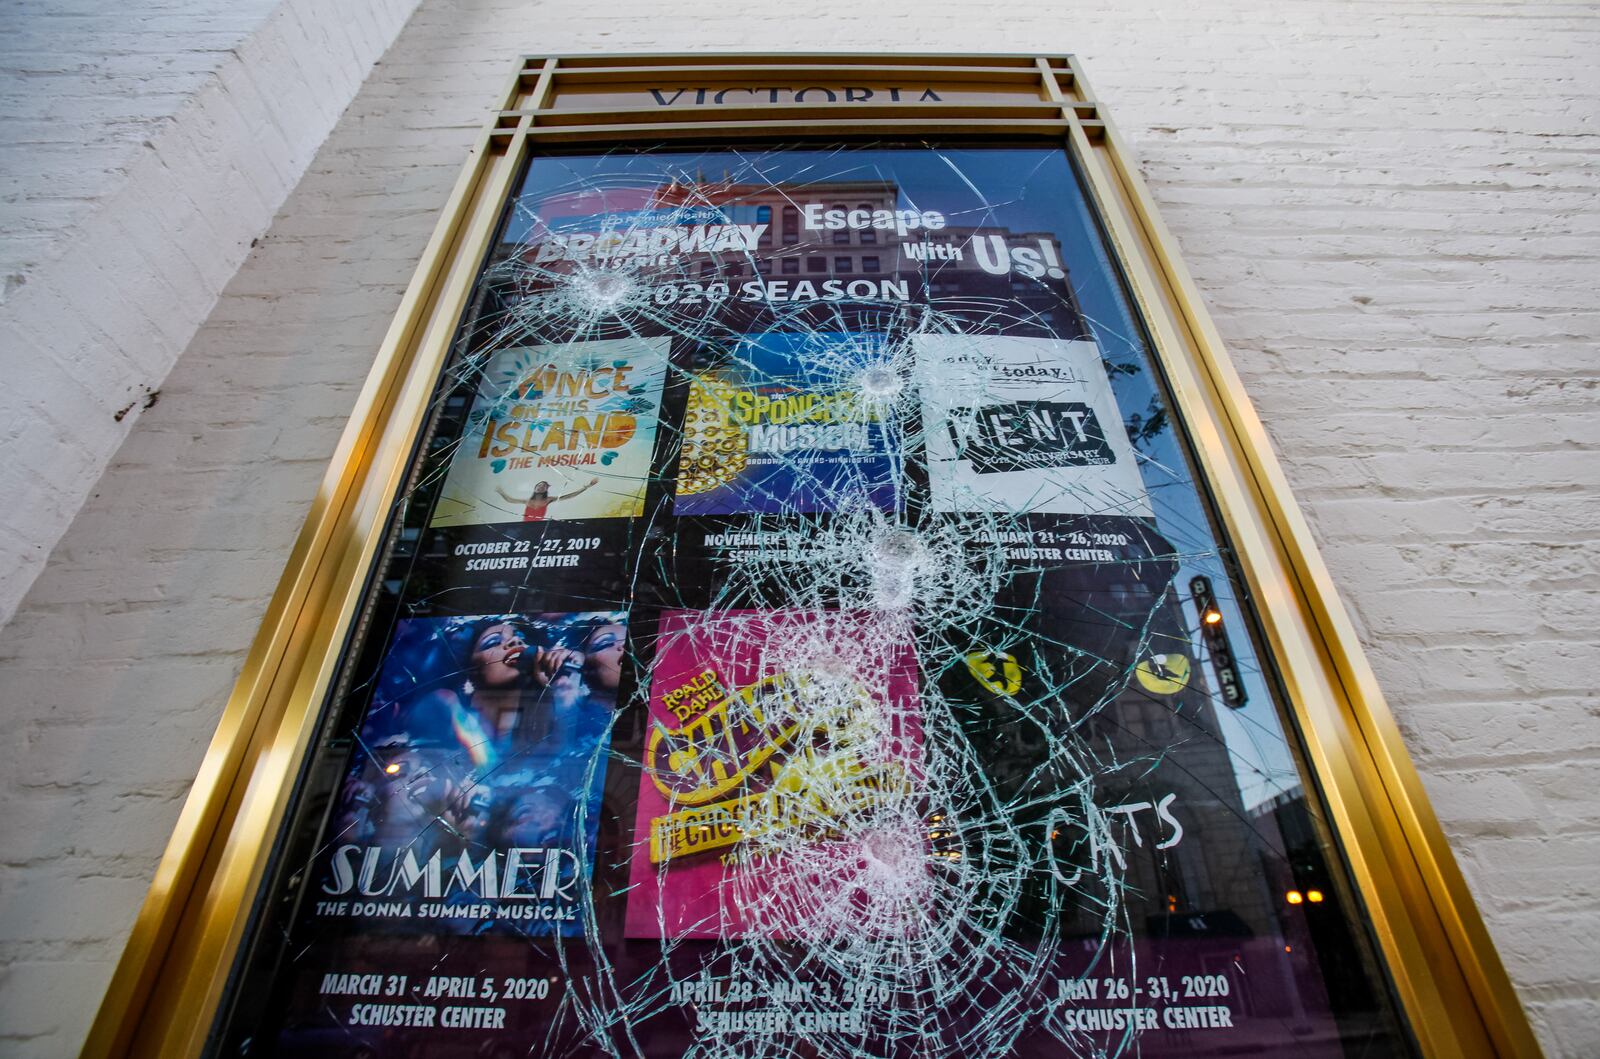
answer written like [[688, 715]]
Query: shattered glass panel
[[803, 635]]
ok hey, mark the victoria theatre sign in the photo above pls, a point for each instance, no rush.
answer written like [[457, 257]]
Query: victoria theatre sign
[[712, 95]]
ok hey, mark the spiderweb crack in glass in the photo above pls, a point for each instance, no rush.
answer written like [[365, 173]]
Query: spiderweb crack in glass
[[783, 649]]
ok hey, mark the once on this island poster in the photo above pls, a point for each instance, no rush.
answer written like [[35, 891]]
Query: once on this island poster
[[560, 431]]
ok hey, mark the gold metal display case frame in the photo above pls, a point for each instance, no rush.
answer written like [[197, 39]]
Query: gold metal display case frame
[[164, 995]]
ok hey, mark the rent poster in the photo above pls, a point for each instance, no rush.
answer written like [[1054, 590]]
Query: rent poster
[[472, 804], [782, 426], [780, 771], [558, 432], [1024, 425]]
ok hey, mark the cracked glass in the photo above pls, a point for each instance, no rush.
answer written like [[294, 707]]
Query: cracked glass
[[803, 633]]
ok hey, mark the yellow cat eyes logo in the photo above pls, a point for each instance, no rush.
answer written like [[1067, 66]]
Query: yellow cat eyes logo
[[996, 671], [1163, 674]]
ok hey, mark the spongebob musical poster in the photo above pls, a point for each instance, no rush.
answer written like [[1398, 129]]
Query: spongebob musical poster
[[780, 771], [558, 432], [788, 422]]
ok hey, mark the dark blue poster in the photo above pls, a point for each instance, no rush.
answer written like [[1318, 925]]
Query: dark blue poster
[[472, 803]]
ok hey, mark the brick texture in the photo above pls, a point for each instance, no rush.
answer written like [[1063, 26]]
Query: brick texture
[[143, 146], [1389, 206]]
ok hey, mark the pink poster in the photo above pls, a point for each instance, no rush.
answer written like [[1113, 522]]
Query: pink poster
[[779, 793]]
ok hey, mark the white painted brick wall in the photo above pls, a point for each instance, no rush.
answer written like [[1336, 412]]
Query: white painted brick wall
[[143, 145], [1388, 204]]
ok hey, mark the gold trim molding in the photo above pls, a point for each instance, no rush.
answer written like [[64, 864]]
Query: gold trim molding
[[167, 988]]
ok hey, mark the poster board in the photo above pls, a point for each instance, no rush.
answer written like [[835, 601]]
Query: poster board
[[997, 278]]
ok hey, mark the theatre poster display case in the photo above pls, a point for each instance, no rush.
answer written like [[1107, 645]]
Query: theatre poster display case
[[803, 578]]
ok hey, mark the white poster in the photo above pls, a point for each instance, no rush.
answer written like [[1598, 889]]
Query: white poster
[[1024, 425]]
